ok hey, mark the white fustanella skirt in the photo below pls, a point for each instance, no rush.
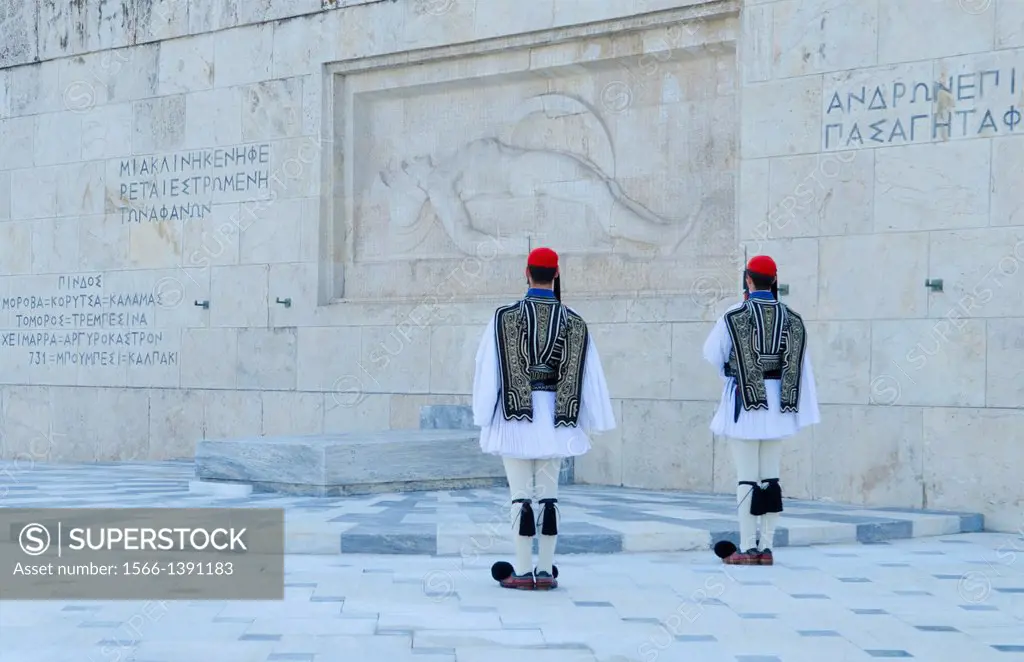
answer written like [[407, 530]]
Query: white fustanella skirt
[[536, 440]]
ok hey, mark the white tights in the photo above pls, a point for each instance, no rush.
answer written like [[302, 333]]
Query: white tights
[[535, 480], [755, 461]]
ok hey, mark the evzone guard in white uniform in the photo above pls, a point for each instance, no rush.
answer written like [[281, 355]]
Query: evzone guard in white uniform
[[538, 388], [760, 349]]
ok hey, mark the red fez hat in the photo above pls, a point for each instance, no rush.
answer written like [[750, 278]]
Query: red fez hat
[[763, 265], [542, 257]]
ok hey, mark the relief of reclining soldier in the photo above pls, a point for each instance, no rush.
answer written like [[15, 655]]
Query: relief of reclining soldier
[[489, 169]]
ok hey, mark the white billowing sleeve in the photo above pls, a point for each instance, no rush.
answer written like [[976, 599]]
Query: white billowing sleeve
[[807, 405], [486, 381], [717, 346], [596, 414]]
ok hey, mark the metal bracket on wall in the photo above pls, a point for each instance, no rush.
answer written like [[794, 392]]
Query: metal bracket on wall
[[783, 290], [203, 304], [934, 284], [287, 303]]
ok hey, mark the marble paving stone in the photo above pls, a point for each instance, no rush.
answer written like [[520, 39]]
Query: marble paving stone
[[467, 523], [582, 620]]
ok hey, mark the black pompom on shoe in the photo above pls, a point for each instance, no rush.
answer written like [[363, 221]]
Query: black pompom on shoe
[[724, 549], [502, 570]]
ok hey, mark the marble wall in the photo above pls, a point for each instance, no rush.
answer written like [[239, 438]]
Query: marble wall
[[895, 142], [221, 218]]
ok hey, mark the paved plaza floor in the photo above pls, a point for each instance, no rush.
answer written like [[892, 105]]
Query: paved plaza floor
[[594, 519], [958, 598], [948, 596]]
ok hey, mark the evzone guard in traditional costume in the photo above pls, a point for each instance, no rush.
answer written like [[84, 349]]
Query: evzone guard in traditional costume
[[760, 349], [538, 389]]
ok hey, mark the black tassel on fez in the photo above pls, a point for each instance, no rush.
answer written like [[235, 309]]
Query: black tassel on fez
[[549, 518], [527, 523]]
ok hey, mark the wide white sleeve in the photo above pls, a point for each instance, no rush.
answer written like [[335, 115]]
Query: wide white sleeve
[[596, 413], [717, 346], [807, 405], [486, 380]]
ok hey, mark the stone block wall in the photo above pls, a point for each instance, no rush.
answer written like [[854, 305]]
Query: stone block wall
[[880, 140], [222, 218]]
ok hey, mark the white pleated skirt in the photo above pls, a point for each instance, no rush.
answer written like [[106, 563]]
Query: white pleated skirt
[[769, 423], [534, 440]]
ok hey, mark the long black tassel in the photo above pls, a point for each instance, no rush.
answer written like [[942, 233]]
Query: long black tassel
[[549, 518], [558, 288], [527, 522]]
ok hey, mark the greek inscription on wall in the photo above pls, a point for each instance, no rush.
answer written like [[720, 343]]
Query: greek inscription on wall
[[185, 185], [82, 324], [978, 104]]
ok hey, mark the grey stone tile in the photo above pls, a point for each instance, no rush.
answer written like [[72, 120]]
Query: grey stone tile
[[878, 531], [887, 653]]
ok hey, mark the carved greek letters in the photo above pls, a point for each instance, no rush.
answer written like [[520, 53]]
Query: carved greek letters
[[85, 324], [988, 122], [876, 131], [899, 90], [877, 100], [927, 93], [186, 185], [964, 104], [965, 87], [1011, 118]]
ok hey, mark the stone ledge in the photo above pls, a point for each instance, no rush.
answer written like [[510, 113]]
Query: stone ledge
[[351, 463]]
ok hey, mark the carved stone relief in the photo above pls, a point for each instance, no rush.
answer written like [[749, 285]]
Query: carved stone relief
[[525, 157]]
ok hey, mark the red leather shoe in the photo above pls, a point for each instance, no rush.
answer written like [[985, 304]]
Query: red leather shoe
[[521, 582], [749, 557]]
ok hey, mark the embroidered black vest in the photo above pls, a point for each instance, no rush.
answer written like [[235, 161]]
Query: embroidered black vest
[[768, 341], [541, 347]]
